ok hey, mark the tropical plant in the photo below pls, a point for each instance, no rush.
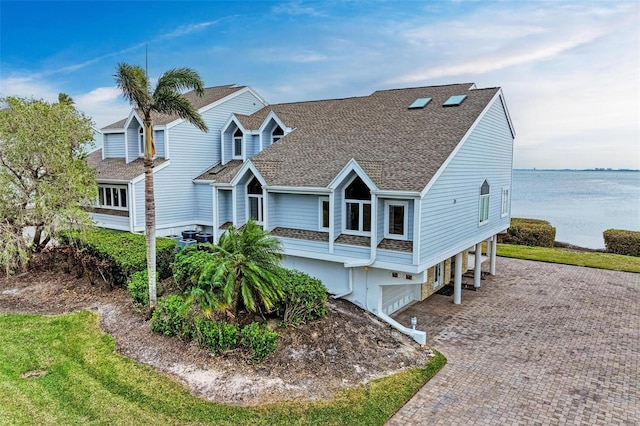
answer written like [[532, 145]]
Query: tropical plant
[[246, 272], [45, 181], [166, 98]]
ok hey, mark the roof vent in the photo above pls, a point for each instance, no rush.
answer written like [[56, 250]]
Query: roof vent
[[454, 100], [419, 103]]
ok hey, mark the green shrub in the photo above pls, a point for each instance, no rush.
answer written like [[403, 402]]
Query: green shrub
[[125, 253], [259, 340], [189, 264], [529, 232], [624, 242], [217, 336], [173, 317], [139, 288], [304, 299]]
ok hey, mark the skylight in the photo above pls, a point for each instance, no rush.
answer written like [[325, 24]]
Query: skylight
[[419, 103], [454, 100]]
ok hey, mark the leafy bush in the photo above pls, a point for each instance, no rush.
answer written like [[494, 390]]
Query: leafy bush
[[624, 242], [126, 253], [217, 336], [189, 264], [259, 340], [529, 232], [139, 288], [304, 299], [173, 317]]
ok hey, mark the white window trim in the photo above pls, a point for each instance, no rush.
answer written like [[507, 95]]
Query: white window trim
[[405, 205], [260, 198], [506, 201], [111, 188], [233, 146], [273, 138], [360, 217], [141, 143], [482, 197], [321, 200], [438, 274]]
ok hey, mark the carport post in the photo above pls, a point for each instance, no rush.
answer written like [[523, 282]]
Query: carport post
[[457, 280], [477, 264]]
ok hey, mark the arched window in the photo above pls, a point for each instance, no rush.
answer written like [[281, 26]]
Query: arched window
[[237, 143], [277, 134], [254, 195], [357, 207], [484, 202], [141, 140]]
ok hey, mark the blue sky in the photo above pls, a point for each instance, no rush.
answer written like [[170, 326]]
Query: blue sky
[[570, 72]]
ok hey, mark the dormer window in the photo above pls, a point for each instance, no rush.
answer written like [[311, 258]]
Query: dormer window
[[277, 134], [357, 207], [237, 144], [255, 198], [141, 141]]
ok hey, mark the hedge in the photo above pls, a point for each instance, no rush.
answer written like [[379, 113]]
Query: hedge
[[304, 299], [529, 232], [124, 252], [620, 241]]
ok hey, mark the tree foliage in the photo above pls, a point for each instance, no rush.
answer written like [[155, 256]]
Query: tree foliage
[[164, 99], [44, 178], [245, 272]]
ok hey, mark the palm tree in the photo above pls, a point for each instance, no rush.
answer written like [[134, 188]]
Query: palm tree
[[246, 272], [165, 99]]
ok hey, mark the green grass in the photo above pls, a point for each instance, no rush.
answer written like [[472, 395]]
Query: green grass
[[614, 262], [84, 381]]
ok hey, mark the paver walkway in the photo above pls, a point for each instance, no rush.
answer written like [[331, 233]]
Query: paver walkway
[[539, 343]]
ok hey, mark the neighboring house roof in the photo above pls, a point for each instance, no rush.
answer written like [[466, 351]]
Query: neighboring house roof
[[211, 95], [399, 148], [116, 168]]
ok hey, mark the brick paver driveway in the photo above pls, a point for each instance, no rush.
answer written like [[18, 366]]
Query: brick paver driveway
[[537, 344]]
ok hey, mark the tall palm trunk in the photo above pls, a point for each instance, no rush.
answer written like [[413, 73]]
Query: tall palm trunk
[[150, 212]]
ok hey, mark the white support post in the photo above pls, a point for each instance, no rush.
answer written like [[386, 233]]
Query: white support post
[[457, 280], [477, 264], [494, 247]]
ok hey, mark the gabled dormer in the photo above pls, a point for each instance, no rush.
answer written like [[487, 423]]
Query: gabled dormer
[[234, 140]]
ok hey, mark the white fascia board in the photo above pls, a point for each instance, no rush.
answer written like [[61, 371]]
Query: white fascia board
[[506, 111], [352, 166], [466, 136], [248, 166], [166, 143], [114, 181], [109, 131], [222, 185], [262, 100], [298, 190], [201, 182], [156, 169], [272, 116], [111, 226], [132, 115], [232, 119], [397, 194], [412, 269], [316, 255]]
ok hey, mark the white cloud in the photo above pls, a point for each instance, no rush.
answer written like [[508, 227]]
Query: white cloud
[[295, 8], [28, 87]]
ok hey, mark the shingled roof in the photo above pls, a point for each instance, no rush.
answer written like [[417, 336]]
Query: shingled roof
[[399, 148], [116, 168], [211, 95]]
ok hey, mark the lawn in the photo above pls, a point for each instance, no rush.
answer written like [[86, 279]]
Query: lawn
[[63, 369], [614, 262]]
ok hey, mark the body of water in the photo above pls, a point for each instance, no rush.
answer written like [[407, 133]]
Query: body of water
[[580, 204]]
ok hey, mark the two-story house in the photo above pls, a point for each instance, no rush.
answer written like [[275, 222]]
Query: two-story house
[[380, 196]]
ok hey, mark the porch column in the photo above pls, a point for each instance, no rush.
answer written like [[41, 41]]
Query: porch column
[[477, 264], [494, 247], [457, 280]]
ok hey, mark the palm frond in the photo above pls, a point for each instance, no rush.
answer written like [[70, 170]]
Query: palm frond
[[180, 79], [168, 102], [133, 82]]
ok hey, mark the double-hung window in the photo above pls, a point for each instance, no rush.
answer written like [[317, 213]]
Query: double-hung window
[[141, 142], [506, 202], [277, 134], [237, 144], [323, 219], [484, 203], [255, 201], [357, 203], [396, 219], [112, 197]]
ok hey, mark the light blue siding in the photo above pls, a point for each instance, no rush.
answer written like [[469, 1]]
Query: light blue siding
[[203, 204], [450, 209], [381, 212], [291, 245], [139, 206], [252, 144], [133, 135], [225, 213], [295, 211], [191, 153], [113, 222], [158, 138], [241, 200], [391, 256], [114, 145], [352, 251]]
